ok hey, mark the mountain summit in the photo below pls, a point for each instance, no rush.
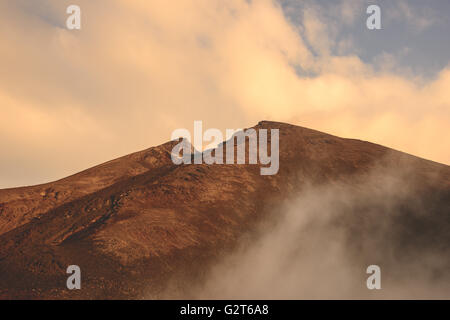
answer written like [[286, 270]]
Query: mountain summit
[[138, 223]]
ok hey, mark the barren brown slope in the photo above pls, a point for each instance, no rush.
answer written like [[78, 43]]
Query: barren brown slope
[[19, 205], [171, 221]]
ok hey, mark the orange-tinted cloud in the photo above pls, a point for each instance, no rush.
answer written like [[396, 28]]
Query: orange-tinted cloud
[[137, 70]]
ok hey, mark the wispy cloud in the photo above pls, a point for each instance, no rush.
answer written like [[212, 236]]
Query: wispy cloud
[[140, 69], [417, 18]]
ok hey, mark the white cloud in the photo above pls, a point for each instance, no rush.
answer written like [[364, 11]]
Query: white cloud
[[140, 69]]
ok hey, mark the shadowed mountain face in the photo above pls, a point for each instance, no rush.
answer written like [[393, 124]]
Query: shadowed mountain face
[[141, 227]]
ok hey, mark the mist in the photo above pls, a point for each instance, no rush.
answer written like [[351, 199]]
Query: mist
[[319, 244]]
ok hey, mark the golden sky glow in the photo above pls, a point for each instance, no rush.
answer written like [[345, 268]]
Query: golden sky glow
[[137, 70]]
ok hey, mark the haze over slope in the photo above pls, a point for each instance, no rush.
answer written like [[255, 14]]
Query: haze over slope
[[140, 226]]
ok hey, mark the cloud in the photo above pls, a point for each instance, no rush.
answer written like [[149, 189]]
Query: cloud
[[137, 70], [316, 32], [319, 245], [418, 18]]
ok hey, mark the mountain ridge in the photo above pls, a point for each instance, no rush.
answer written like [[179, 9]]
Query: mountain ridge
[[142, 217]]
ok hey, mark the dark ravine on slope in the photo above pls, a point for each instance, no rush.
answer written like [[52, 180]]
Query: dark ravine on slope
[[135, 223]]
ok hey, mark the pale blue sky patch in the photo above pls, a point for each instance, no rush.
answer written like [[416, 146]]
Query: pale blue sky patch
[[414, 34]]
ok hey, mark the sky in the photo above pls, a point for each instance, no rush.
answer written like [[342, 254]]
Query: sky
[[138, 70]]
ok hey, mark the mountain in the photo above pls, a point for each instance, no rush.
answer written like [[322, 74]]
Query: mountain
[[138, 224]]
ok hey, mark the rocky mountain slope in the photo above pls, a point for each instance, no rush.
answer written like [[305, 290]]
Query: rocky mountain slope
[[135, 223]]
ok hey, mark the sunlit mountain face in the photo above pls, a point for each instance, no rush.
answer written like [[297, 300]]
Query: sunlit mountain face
[[209, 149], [142, 227]]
